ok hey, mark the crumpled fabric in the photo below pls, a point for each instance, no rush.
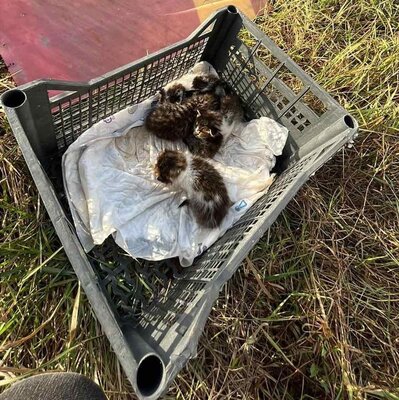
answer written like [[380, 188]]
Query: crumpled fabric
[[111, 188]]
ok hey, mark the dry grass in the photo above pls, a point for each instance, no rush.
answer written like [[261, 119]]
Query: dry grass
[[313, 313]]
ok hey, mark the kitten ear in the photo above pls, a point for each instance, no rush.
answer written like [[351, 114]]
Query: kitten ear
[[162, 95]]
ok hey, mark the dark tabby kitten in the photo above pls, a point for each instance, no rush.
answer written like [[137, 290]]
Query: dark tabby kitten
[[208, 97], [174, 116], [224, 98], [212, 126], [195, 116], [172, 120], [207, 137], [178, 116], [207, 194]]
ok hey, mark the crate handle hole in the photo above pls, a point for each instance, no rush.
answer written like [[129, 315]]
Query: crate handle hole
[[150, 374], [232, 9], [13, 98], [349, 121]]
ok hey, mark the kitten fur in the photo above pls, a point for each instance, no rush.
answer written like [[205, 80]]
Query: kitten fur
[[207, 194], [231, 108]]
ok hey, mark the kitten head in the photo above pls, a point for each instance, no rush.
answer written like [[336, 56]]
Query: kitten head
[[204, 83], [170, 164], [207, 124], [175, 93], [209, 83]]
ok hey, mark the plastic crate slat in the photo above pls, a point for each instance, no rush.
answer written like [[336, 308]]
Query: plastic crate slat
[[281, 86], [293, 102]]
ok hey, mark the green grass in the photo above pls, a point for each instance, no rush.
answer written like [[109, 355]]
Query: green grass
[[313, 312]]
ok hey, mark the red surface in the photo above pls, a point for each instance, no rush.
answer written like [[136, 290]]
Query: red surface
[[81, 39]]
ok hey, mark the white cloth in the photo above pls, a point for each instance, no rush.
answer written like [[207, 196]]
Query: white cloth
[[111, 189]]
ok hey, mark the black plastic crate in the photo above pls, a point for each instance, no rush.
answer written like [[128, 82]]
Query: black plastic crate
[[152, 319]]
